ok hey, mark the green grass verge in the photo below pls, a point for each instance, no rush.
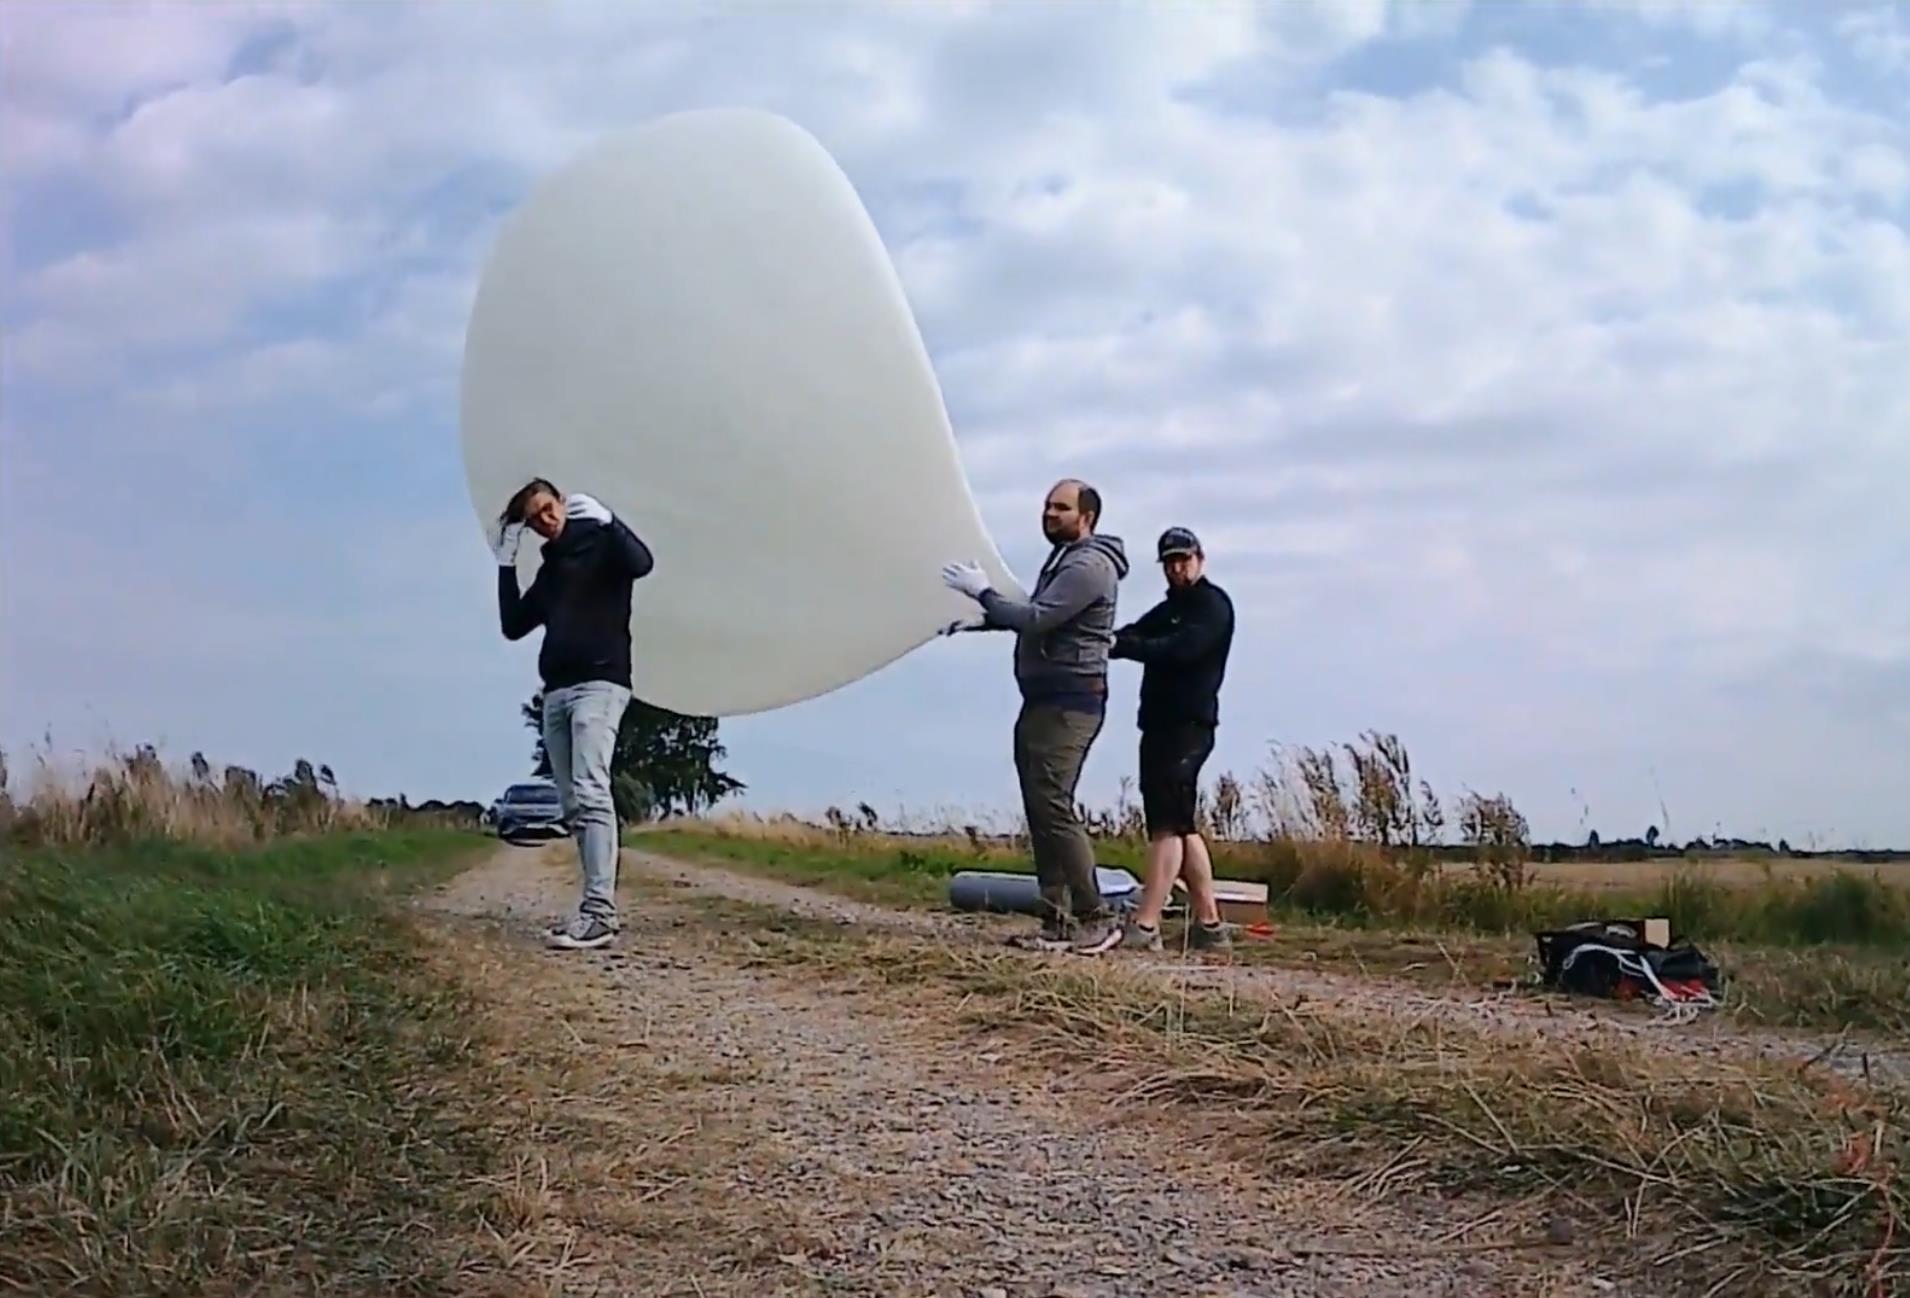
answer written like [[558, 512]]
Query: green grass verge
[[903, 876], [1476, 936], [225, 1069]]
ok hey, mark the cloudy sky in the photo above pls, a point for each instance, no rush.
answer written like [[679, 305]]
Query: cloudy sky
[[1537, 375]]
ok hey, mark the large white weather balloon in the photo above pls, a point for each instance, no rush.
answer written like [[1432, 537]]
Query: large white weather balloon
[[697, 323]]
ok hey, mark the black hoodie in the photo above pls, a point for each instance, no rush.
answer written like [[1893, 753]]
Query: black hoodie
[[1182, 644], [581, 597]]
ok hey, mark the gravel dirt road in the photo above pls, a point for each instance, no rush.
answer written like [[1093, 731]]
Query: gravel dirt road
[[742, 1127], [1463, 1005]]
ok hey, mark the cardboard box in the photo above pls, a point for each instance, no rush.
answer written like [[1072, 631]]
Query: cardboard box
[[1652, 932], [1240, 902]]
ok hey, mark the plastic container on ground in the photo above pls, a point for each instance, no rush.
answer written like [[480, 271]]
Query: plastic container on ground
[[1003, 892]]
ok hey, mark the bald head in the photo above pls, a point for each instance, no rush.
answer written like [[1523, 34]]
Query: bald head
[[1070, 512]]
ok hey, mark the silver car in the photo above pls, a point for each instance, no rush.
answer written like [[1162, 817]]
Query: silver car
[[531, 809]]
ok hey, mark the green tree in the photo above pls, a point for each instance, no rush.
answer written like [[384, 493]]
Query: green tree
[[664, 763]]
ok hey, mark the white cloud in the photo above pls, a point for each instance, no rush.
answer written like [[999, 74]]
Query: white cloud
[[1530, 375], [1879, 36], [96, 61], [1744, 22]]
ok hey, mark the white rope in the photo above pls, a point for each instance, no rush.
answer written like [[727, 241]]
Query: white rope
[[1678, 1009]]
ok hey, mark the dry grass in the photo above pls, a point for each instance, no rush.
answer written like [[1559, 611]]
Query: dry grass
[[1339, 907], [862, 834], [136, 796], [224, 1068], [247, 1072], [882, 870], [1347, 880], [1346, 815], [1721, 1170], [226, 1071], [1734, 872]]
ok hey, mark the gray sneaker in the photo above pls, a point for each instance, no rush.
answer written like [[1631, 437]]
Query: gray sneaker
[[1208, 937], [1050, 937], [582, 934], [1136, 938], [1096, 936]]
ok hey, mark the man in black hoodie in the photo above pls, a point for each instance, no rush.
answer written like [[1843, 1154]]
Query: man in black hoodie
[[1182, 644], [581, 597]]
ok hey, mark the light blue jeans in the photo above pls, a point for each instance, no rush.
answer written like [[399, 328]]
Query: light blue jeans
[[580, 733]]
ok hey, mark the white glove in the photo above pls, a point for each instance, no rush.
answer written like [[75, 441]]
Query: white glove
[[505, 546], [577, 505], [968, 578], [960, 625]]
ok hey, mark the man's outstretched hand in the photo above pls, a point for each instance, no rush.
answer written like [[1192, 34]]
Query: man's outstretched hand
[[962, 624], [579, 506], [968, 578]]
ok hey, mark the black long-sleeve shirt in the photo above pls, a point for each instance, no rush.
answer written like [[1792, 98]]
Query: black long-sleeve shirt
[[1182, 644], [581, 597]]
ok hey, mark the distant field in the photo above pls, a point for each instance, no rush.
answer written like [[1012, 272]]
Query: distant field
[[1772, 902], [1246, 858], [1731, 871]]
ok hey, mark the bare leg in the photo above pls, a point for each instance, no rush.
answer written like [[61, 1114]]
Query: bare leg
[[1198, 869], [1163, 867]]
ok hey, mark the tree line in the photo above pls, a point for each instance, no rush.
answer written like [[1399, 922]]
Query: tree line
[[664, 764]]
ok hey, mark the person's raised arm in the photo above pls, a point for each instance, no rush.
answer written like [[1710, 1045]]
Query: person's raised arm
[[1072, 590], [631, 552], [518, 614], [632, 555]]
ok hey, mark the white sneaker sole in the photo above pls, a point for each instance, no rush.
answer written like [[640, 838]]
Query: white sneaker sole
[[565, 942], [1023, 942]]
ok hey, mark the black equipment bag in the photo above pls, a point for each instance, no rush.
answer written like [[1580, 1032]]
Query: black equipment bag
[[1611, 959]]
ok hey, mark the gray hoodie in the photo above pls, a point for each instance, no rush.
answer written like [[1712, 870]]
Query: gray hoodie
[[1064, 629]]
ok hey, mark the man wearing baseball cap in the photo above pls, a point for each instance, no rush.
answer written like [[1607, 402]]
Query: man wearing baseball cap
[[1182, 645]]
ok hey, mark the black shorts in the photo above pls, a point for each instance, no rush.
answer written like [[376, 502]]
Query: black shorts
[[1171, 759]]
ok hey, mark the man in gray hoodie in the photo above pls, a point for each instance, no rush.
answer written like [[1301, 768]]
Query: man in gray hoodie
[[1062, 635]]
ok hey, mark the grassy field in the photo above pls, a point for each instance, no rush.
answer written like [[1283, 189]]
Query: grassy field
[[227, 1068], [1725, 871], [1802, 902], [1828, 948], [235, 1066], [223, 1066]]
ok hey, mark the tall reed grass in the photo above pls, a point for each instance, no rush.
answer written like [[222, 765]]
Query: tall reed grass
[[136, 796], [1351, 835]]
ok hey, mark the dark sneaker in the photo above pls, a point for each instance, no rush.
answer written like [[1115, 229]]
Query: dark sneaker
[[1136, 938], [1096, 936], [1208, 937], [582, 934]]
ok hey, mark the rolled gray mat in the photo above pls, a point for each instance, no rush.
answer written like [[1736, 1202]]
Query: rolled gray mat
[[1019, 894]]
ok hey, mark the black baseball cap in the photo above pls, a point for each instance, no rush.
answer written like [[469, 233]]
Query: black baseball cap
[[1177, 540]]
